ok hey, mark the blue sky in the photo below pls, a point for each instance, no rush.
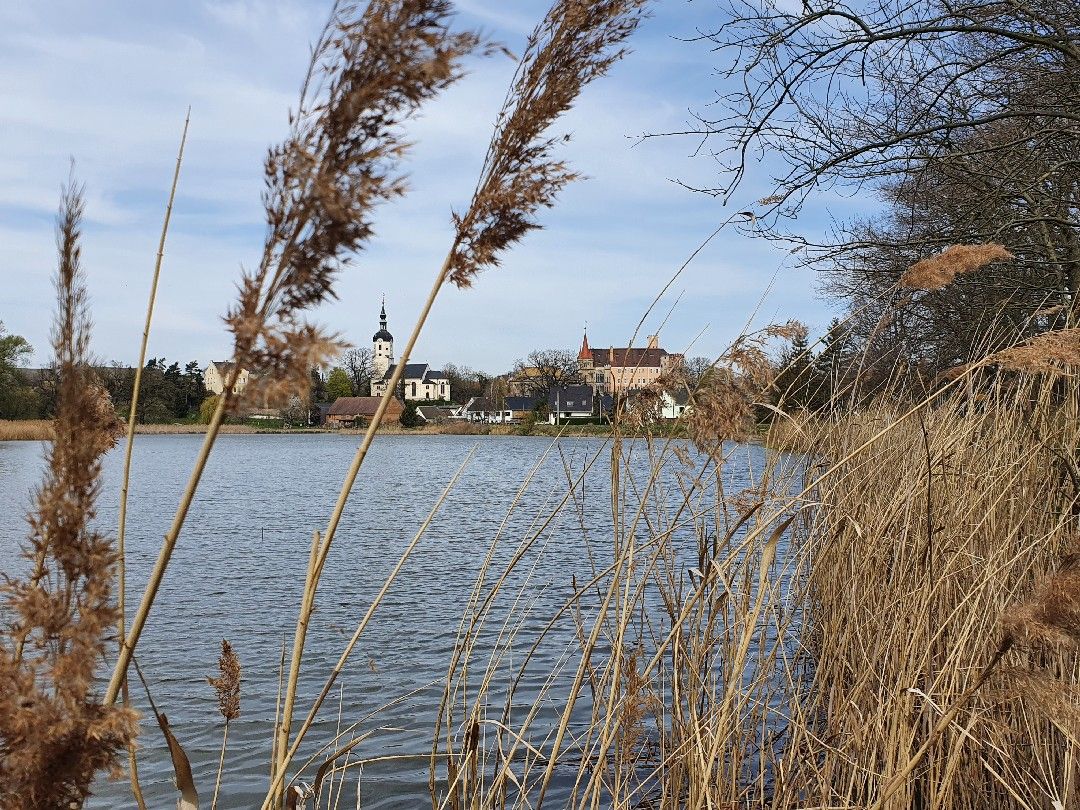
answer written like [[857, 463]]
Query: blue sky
[[107, 84]]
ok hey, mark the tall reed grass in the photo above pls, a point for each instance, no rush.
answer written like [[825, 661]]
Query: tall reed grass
[[25, 430]]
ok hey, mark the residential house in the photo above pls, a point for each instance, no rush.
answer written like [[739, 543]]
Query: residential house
[[481, 409], [217, 373], [674, 404], [616, 371], [358, 411], [517, 409], [420, 382], [525, 380], [434, 414], [577, 402]]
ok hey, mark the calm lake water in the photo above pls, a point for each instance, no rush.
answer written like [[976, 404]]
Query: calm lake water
[[239, 567]]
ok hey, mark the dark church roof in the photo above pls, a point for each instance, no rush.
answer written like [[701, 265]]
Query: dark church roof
[[413, 371]]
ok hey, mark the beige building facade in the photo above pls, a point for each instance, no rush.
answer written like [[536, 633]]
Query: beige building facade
[[616, 371], [217, 373]]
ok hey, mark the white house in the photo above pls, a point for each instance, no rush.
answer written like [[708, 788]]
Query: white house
[[577, 402], [674, 405], [482, 409]]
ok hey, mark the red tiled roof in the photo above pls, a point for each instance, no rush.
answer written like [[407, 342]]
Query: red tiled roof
[[586, 352], [630, 358], [362, 406]]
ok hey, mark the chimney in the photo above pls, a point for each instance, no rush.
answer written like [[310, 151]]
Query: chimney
[[654, 342]]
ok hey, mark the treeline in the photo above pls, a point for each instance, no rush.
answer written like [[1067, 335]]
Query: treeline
[[170, 392]]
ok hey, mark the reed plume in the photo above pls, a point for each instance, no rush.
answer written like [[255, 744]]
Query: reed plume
[[227, 687], [1050, 617], [55, 734], [938, 271], [578, 41], [370, 72], [722, 403], [1053, 353]]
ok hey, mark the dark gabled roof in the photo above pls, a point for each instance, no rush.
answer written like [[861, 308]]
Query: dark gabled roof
[[577, 398], [435, 375], [432, 413], [413, 371], [571, 398], [520, 403], [479, 405], [680, 396]]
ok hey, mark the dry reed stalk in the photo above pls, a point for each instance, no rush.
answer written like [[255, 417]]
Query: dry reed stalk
[[477, 612], [370, 72], [288, 696], [287, 757], [121, 586], [577, 42], [54, 733], [991, 493]]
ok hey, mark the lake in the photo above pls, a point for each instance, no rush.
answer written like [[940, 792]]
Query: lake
[[239, 567]]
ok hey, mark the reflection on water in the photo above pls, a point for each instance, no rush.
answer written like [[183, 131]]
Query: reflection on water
[[238, 573]]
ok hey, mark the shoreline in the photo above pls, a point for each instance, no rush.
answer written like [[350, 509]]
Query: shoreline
[[41, 430]]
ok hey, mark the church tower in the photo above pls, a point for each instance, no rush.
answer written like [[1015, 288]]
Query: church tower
[[382, 348]]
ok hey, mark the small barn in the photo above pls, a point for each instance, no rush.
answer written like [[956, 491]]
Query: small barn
[[349, 412]]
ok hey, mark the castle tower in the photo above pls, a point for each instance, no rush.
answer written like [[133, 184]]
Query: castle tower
[[585, 358], [382, 347]]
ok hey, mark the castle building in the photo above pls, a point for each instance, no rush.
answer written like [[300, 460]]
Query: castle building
[[616, 371], [217, 374], [419, 382]]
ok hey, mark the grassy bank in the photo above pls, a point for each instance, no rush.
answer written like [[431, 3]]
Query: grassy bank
[[41, 429]]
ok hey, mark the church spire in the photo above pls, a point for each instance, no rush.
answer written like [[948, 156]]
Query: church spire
[[382, 349]]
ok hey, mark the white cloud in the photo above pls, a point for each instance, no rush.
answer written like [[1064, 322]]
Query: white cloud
[[110, 86]]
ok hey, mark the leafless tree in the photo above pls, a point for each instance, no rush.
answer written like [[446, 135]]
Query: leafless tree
[[543, 370], [961, 119], [357, 364], [465, 382]]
